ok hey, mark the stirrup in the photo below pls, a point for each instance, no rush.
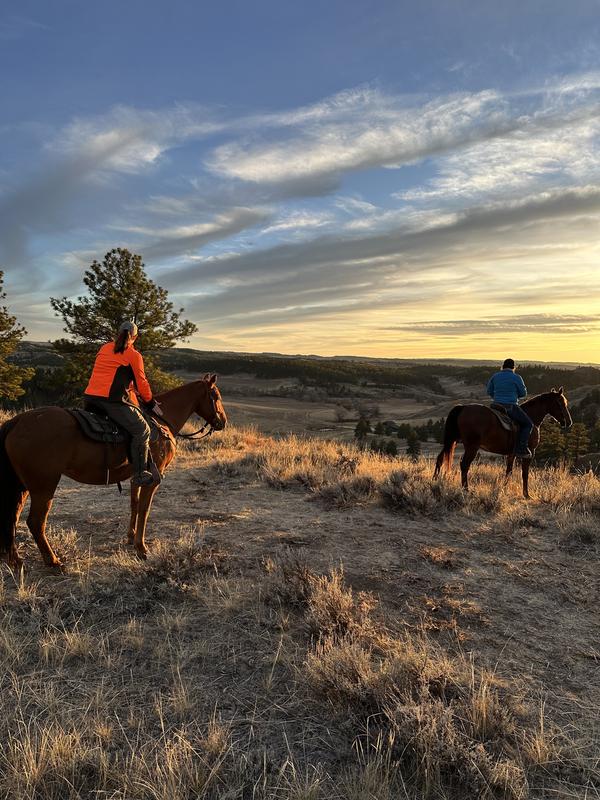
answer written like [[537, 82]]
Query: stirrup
[[524, 454], [143, 479]]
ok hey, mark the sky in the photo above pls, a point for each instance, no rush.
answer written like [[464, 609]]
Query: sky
[[374, 178]]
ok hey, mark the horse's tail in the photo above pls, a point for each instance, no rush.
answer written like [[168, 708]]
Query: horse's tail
[[451, 437], [11, 492]]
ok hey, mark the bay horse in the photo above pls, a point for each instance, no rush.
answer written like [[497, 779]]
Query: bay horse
[[476, 426], [39, 446]]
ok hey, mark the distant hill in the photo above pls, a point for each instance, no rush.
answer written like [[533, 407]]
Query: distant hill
[[339, 371]]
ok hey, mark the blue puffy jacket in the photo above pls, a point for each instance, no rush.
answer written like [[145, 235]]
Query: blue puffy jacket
[[506, 387]]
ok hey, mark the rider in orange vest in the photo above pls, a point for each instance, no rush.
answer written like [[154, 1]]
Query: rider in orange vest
[[117, 376]]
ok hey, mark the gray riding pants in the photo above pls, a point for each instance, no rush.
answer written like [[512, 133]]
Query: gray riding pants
[[125, 415]]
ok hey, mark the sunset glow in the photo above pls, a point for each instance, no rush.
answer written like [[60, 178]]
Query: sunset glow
[[365, 180]]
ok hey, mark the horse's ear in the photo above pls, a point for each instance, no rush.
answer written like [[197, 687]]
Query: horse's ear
[[553, 389], [560, 391], [206, 377], [213, 379]]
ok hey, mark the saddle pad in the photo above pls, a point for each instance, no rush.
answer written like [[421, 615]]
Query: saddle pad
[[503, 417]]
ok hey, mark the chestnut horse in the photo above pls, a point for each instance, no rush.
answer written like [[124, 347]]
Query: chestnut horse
[[476, 426], [37, 447]]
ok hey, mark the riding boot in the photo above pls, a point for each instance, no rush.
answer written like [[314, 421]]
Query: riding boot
[[139, 460]]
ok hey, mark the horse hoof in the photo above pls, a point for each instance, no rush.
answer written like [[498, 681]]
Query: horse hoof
[[12, 560], [142, 554]]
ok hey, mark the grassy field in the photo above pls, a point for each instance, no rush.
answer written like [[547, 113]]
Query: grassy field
[[312, 622]]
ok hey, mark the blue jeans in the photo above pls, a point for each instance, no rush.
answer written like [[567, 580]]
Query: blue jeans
[[519, 416]]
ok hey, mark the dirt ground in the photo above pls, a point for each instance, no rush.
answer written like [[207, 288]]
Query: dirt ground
[[513, 596]]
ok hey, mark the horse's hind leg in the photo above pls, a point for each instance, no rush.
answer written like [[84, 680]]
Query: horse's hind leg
[[41, 503], [465, 463], [8, 547], [510, 460], [135, 504]]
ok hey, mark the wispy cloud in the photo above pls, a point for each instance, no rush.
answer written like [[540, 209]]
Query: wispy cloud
[[128, 139], [525, 323], [17, 26], [377, 130]]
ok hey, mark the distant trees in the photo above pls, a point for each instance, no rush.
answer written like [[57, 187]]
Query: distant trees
[[404, 430], [558, 447], [413, 448], [118, 289], [387, 447], [577, 442], [363, 426], [595, 438], [551, 449], [12, 376]]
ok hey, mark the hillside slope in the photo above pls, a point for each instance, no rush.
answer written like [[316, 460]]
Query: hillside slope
[[313, 622]]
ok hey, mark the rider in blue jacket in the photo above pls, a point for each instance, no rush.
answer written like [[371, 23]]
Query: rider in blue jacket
[[506, 388]]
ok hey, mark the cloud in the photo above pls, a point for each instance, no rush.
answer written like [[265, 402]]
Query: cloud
[[460, 229], [526, 323], [189, 238], [141, 136], [15, 26], [299, 221], [39, 204], [357, 138], [377, 130]]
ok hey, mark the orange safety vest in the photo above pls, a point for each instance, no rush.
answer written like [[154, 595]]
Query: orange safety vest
[[116, 375]]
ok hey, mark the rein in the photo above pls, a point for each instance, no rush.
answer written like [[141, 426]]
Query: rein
[[193, 435], [196, 434]]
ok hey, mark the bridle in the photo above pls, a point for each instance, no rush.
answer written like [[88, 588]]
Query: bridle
[[199, 434], [564, 420]]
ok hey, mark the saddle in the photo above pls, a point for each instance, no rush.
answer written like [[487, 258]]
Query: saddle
[[503, 417], [101, 428]]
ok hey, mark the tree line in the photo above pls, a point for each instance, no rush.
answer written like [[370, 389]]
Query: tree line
[[432, 429]]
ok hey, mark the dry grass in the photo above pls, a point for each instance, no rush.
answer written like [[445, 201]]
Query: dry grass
[[449, 729], [343, 476], [223, 668]]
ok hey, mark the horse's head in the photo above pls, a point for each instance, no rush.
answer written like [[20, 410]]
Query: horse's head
[[558, 408], [209, 405]]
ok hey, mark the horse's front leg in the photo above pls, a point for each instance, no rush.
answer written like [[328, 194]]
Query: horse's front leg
[[525, 463], [135, 501], [145, 501], [41, 503]]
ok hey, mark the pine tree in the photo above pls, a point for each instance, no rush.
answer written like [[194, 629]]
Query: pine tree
[[595, 438], [577, 441], [363, 426], [12, 376], [551, 448], [413, 446], [404, 430], [391, 448], [118, 290]]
